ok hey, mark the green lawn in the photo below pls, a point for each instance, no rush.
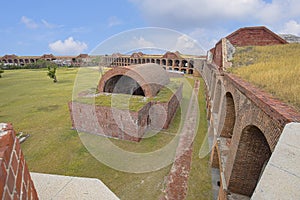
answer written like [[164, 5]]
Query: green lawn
[[199, 183], [37, 106]]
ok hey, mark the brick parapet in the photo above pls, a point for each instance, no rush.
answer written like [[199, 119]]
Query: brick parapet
[[15, 180], [274, 108]]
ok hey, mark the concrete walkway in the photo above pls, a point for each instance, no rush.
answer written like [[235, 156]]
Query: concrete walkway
[[177, 183], [67, 187]]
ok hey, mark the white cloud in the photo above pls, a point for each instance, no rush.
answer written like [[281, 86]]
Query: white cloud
[[142, 43], [49, 25], [291, 27], [188, 45], [190, 13], [68, 47], [29, 23], [206, 37], [208, 17], [114, 21]]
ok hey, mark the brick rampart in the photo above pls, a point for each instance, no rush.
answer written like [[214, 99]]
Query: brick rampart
[[251, 120], [15, 180]]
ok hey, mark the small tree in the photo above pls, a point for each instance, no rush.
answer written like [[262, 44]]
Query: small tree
[[52, 72]]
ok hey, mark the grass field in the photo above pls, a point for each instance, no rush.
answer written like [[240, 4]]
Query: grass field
[[275, 69], [37, 106]]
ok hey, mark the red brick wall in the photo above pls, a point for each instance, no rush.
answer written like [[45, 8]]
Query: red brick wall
[[217, 57], [107, 121], [15, 180], [101, 120], [253, 37]]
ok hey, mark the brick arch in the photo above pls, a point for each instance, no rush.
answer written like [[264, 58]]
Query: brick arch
[[229, 116], [149, 78], [123, 84], [252, 153]]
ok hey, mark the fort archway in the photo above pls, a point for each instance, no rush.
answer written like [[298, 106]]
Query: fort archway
[[229, 122], [124, 85], [252, 154]]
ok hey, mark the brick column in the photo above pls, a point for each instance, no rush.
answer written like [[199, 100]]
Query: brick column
[[15, 180]]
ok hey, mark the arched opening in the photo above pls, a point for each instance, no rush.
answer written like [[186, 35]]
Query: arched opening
[[190, 71], [164, 62], [183, 70], [123, 84], [229, 122], [217, 98], [148, 60], [158, 61], [143, 60], [22, 62], [170, 62], [139, 61], [184, 63], [152, 60], [252, 154], [177, 63]]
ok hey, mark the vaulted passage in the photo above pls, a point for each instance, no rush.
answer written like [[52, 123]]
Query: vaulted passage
[[229, 122], [252, 155], [123, 84]]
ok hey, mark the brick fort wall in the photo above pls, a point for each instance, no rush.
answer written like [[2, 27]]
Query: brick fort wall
[[15, 180]]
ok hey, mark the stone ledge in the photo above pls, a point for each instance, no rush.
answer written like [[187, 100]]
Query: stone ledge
[[67, 187], [281, 177]]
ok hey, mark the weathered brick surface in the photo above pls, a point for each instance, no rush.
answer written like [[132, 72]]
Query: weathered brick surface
[[254, 36], [177, 181], [13, 176], [253, 121], [150, 77], [122, 124]]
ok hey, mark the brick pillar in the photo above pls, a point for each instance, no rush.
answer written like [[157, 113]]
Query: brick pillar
[[15, 180]]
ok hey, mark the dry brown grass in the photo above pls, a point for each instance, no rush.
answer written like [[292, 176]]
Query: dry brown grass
[[275, 69]]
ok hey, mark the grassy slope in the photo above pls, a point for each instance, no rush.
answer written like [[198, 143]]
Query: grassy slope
[[199, 182], [35, 105], [275, 69]]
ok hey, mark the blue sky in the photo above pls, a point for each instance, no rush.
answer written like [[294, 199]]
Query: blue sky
[[71, 27]]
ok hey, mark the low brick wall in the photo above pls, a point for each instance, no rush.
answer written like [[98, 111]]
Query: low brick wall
[[124, 124], [15, 180]]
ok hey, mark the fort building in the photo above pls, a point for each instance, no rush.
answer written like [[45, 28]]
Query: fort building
[[143, 83]]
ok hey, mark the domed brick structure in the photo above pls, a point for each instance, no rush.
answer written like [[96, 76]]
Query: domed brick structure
[[145, 80], [113, 120]]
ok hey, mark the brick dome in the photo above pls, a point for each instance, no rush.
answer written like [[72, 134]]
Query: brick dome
[[144, 79]]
